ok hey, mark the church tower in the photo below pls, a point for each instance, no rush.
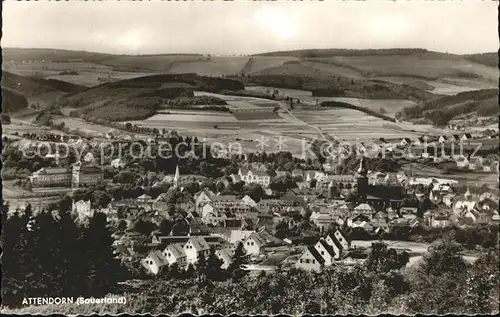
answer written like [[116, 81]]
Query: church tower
[[362, 180], [332, 190], [177, 178]]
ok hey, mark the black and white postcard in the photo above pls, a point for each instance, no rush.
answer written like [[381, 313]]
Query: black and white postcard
[[250, 157]]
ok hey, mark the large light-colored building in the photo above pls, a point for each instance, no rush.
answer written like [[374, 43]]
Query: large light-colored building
[[77, 176], [254, 176]]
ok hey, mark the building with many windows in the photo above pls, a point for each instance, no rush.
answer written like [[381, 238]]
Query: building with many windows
[[76, 176], [254, 176]]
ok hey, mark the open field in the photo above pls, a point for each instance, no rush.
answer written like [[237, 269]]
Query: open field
[[424, 65], [240, 102], [25, 126], [420, 170], [87, 73]]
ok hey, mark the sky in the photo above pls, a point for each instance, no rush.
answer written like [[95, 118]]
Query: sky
[[247, 27]]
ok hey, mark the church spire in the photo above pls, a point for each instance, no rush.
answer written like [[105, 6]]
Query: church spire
[[177, 177], [362, 170]]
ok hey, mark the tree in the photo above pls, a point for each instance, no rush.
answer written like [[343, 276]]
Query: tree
[[255, 191], [201, 265], [482, 294], [213, 266], [144, 227], [165, 227], [174, 272], [439, 280], [189, 272], [238, 259], [102, 267]]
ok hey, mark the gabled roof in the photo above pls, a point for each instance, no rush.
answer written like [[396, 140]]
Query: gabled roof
[[144, 197], [363, 206], [335, 241], [199, 243], [244, 171], [256, 237], [225, 254], [327, 247], [176, 250], [157, 257], [315, 254]]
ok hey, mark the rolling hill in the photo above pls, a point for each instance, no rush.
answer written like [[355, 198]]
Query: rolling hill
[[22, 91], [139, 98], [399, 74], [481, 103], [13, 101]]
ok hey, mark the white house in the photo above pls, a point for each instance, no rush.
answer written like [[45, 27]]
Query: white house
[[335, 244], [343, 239], [247, 200], [254, 176], [310, 260], [154, 262], [326, 251], [174, 253], [194, 247], [254, 244], [363, 209]]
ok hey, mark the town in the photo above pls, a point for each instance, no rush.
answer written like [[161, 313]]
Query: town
[[301, 214], [250, 158]]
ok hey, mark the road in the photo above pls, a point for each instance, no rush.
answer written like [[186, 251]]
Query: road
[[284, 106]]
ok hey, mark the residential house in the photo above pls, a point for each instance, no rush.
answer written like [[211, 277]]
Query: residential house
[[336, 246], [257, 242], [154, 262], [323, 220], [363, 209], [249, 175], [235, 236], [194, 247], [249, 201], [326, 251], [254, 244], [343, 239], [310, 260], [174, 253]]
